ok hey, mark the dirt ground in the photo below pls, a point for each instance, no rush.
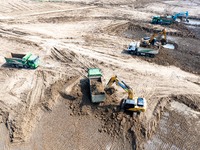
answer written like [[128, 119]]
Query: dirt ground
[[50, 108]]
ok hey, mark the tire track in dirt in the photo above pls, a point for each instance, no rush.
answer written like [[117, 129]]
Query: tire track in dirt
[[175, 130], [130, 64], [70, 56]]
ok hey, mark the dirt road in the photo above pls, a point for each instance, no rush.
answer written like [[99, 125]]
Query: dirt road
[[71, 37]]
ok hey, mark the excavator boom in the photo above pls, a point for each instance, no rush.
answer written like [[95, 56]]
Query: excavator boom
[[122, 84]]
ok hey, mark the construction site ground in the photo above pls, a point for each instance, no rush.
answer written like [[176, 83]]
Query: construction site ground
[[49, 108]]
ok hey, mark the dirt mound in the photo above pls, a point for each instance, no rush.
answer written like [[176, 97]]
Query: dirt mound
[[21, 125], [184, 31], [96, 87], [115, 122], [139, 30], [180, 122], [191, 101]]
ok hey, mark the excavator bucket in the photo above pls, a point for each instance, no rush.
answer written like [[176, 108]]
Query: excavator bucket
[[110, 90]]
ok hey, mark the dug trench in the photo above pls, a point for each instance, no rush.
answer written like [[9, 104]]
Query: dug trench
[[185, 55], [178, 125]]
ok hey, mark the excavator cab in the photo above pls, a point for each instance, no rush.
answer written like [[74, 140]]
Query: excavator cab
[[135, 105]]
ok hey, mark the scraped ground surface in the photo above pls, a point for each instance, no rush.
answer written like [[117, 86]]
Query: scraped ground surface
[[50, 108]]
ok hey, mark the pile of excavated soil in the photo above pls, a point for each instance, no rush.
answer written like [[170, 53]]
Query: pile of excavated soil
[[192, 101], [114, 122], [96, 87]]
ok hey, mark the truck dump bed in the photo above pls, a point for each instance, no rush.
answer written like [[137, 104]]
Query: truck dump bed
[[14, 55], [96, 86], [23, 60]]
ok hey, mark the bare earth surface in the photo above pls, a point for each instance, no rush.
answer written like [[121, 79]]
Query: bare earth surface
[[49, 107]]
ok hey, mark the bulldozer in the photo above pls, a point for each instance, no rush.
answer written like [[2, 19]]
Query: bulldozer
[[134, 104]]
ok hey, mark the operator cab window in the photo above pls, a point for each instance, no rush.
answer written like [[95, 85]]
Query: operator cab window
[[127, 106], [140, 102], [146, 38]]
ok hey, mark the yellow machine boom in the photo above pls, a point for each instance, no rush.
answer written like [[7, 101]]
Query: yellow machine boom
[[151, 40], [114, 79]]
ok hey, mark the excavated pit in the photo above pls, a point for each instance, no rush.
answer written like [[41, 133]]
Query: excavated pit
[[178, 125], [185, 57]]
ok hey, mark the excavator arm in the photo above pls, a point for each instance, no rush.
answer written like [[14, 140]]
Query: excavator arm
[[114, 79], [180, 15], [162, 33], [152, 37]]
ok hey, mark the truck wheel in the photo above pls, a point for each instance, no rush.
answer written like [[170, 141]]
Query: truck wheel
[[16, 66], [151, 55], [138, 113], [122, 104], [25, 66]]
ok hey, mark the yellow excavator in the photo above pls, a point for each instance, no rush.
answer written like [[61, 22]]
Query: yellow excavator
[[135, 104], [152, 41]]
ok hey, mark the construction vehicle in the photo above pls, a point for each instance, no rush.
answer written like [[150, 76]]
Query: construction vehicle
[[97, 92], [150, 46], [134, 104], [135, 49], [23, 60], [153, 41], [169, 19]]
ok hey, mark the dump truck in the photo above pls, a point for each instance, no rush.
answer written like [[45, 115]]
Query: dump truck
[[97, 92], [23, 60], [135, 49], [169, 19]]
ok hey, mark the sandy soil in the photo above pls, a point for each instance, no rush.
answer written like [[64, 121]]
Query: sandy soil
[[50, 108]]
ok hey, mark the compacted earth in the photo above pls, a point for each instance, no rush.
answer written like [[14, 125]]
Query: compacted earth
[[49, 107]]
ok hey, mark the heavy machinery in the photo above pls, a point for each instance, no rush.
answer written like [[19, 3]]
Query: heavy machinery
[[169, 19], [135, 104], [135, 49], [152, 41], [23, 60], [97, 93], [148, 46]]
